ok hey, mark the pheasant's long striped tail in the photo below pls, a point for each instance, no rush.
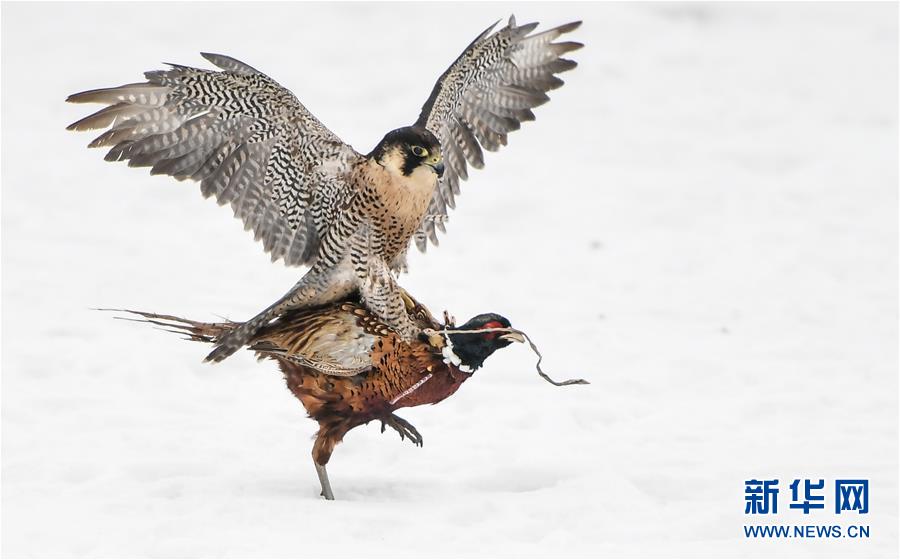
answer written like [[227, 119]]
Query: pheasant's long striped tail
[[192, 330]]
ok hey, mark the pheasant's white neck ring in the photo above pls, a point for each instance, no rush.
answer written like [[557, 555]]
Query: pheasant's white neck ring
[[450, 357]]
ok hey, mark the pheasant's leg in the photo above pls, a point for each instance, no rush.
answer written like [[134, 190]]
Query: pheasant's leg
[[323, 480], [315, 288], [327, 437], [381, 294], [404, 428]]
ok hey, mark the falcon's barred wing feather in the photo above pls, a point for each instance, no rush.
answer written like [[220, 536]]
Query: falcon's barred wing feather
[[485, 94], [248, 141]]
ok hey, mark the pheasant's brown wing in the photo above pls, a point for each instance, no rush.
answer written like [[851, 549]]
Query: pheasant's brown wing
[[336, 340], [329, 340], [485, 94], [248, 141]]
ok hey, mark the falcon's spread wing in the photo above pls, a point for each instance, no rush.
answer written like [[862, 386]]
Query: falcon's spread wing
[[487, 93], [248, 141]]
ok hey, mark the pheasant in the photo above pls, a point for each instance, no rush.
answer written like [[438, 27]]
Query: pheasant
[[347, 367], [308, 196]]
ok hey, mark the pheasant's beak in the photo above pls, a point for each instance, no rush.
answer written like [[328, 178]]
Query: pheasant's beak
[[513, 337]]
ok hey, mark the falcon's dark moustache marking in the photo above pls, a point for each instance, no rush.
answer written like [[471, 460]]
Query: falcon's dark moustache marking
[[411, 162]]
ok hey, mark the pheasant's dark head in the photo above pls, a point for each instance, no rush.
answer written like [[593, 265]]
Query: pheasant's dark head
[[468, 351], [410, 150]]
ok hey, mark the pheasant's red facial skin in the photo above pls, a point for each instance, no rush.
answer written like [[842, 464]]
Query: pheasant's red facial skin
[[492, 325]]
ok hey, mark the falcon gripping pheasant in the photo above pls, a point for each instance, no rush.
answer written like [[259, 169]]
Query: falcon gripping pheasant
[[308, 196]]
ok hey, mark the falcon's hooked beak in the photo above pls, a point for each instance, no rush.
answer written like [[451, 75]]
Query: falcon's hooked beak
[[438, 167], [512, 337]]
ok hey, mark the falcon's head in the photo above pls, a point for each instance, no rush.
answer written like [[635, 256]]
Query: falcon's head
[[407, 150], [468, 351]]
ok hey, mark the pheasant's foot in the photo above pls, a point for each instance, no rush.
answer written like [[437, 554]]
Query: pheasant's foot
[[404, 428]]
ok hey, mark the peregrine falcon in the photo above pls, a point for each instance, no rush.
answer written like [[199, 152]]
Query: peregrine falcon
[[311, 198]]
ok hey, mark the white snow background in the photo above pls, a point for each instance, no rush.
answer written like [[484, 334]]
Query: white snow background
[[703, 222]]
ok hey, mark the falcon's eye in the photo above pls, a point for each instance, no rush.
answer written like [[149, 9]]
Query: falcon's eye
[[419, 151]]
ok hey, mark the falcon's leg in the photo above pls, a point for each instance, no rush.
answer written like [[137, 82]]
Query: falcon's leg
[[323, 480], [315, 288], [233, 340], [404, 428], [383, 297]]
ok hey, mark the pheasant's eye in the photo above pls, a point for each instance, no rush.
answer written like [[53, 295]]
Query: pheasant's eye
[[491, 335], [419, 151]]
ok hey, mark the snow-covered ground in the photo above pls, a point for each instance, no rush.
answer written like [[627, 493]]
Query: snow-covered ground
[[703, 222]]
